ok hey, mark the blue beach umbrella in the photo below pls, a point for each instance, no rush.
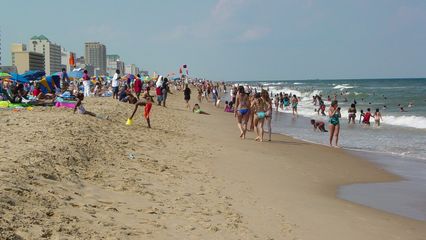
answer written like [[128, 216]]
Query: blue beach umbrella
[[33, 75], [18, 78]]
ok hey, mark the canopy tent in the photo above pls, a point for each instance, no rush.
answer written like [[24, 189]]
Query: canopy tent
[[49, 83]]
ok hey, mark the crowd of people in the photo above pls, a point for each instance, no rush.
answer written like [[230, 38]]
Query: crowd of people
[[252, 109]]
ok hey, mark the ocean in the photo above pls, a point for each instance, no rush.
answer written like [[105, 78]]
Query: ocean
[[397, 145]]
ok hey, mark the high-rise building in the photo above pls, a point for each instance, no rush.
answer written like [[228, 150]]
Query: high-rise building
[[24, 60], [114, 63], [65, 57], [95, 55], [51, 51], [132, 69]]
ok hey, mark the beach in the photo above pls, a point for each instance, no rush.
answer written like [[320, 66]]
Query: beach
[[71, 176]]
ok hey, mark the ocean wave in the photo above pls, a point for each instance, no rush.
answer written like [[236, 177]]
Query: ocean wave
[[406, 121], [343, 86], [298, 83]]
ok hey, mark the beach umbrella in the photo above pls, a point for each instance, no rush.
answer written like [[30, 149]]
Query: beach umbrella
[[18, 78], [146, 79], [34, 74], [4, 75]]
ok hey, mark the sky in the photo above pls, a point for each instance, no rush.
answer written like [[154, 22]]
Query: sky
[[235, 40]]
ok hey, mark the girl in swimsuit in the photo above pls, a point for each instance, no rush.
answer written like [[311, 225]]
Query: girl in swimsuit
[[334, 127], [377, 118], [146, 101], [242, 111], [259, 106]]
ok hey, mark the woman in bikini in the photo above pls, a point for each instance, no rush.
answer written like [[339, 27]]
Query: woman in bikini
[[294, 102], [352, 113], [259, 106], [334, 127], [268, 119], [242, 111]]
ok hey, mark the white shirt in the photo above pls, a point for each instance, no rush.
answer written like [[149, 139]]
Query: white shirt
[[115, 80]]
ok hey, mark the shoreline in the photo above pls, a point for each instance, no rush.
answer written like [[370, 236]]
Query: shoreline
[[190, 177], [364, 172]]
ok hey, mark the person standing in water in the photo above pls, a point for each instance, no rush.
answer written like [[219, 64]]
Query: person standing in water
[[352, 114], [334, 127], [242, 111], [377, 118], [294, 102], [366, 119]]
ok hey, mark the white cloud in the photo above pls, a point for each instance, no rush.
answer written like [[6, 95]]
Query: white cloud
[[254, 33], [225, 9]]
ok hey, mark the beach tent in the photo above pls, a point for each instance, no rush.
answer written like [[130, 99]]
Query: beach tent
[[48, 83]]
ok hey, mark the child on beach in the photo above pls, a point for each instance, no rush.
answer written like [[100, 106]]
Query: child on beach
[[197, 109], [228, 107], [377, 118], [79, 106], [361, 116], [318, 125], [147, 102], [366, 119]]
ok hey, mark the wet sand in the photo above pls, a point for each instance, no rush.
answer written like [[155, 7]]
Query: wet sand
[[68, 176]]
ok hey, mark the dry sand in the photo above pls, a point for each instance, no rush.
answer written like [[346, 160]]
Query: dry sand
[[69, 176]]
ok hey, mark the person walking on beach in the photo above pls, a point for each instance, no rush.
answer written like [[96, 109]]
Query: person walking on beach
[[242, 110], [165, 90], [294, 102], [187, 96], [115, 84], [137, 86], [352, 114], [86, 83], [334, 127], [377, 118], [268, 117]]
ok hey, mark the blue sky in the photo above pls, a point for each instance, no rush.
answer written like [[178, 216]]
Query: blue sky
[[236, 39]]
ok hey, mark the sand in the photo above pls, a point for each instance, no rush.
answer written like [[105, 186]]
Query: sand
[[69, 176]]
